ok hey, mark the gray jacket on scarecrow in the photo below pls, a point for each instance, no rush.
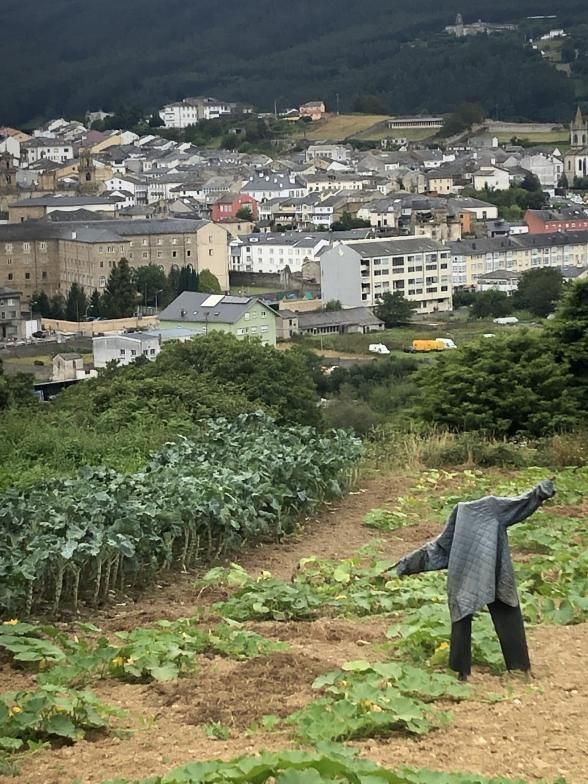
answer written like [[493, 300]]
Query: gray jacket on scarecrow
[[473, 547]]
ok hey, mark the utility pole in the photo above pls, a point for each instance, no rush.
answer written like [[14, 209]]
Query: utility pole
[[276, 108], [338, 103]]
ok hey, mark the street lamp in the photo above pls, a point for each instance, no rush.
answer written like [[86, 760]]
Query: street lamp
[[160, 291]]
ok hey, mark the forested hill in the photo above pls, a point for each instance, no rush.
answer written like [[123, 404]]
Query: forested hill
[[66, 56]]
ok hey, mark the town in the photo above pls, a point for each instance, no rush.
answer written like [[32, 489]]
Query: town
[[324, 223], [294, 395]]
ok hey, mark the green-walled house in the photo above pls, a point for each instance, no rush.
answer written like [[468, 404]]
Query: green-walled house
[[203, 313]]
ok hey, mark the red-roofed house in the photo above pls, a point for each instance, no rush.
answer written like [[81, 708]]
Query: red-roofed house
[[227, 207]]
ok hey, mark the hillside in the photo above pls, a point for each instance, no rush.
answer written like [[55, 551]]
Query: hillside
[[145, 52]]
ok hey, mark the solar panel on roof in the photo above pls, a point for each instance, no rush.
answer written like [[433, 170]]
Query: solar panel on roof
[[211, 301], [230, 300]]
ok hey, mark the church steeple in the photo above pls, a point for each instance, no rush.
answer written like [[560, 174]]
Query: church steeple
[[579, 130]]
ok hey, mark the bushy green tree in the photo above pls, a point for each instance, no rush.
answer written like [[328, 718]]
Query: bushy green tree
[[57, 306], [151, 282], [208, 283], [569, 334], [95, 306], [281, 381], [187, 280], [332, 304], [539, 291], [120, 294], [40, 304], [244, 213], [394, 309], [76, 303], [347, 222], [504, 386], [491, 304]]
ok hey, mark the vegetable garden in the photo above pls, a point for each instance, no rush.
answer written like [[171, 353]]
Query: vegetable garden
[[103, 536]]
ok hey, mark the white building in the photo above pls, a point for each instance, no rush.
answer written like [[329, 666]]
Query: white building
[[491, 177], [189, 111], [273, 252], [327, 151], [125, 349], [42, 148], [548, 168], [359, 273], [275, 186]]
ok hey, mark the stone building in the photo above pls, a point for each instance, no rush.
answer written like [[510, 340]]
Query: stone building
[[50, 255]]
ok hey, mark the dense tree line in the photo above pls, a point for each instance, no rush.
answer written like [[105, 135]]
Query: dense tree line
[[376, 54], [127, 289]]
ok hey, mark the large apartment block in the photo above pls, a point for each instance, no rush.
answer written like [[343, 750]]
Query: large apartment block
[[472, 259], [359, 273], [51, 256]]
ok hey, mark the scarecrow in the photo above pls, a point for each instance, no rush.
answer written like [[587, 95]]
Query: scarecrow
[[473, 547]]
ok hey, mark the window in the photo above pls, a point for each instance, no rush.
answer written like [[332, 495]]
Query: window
[[175, 253], [102, 282], [152, 351], [145, 255], [263, 329], [211, 252], [247, 316], [159, 241], [44, 275], [8, 247], [26, 246], [133, 352], [188, 253], [110, 249], [159, 254], [27, 275], [10, 276], [174, 240], [100, 248], [122, 352]]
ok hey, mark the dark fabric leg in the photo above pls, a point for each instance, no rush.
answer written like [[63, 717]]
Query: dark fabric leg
[[510, 628], [460, 649]]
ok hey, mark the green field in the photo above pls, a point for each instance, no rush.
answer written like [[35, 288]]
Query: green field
[[461, 331]]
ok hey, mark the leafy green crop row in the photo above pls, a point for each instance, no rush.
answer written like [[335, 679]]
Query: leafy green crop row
[[327, 764], [162, 652], [364, 700], [71, 539]]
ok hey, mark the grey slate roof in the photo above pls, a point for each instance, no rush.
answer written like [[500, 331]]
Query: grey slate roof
[[368, 250], [188, 307], [345, 317], [518, 242], [66, 201]]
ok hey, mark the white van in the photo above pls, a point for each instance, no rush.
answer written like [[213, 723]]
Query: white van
[[378, 348]]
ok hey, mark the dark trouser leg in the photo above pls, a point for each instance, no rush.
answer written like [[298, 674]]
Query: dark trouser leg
[[510, 628], [460, 649]]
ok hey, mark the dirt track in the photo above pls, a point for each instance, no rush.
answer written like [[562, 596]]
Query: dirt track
[[539, 732]]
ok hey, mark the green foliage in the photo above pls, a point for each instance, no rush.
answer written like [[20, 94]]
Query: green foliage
[[244, 213], [40, 304], [322, 587], [103, 531], [511, 202], [393, 309], [50, 713], [347, 222], [366, 700], [502, 386], [15, 390], [462, 119], [569, 330], [539, 290], [491, 304], [76, 303], [208, 282], [164, 652], [151, 284], [279, 380], [333, 305], [120, 294], [328, 763]]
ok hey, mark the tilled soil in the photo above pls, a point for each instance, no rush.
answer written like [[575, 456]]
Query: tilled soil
[[538, 731]]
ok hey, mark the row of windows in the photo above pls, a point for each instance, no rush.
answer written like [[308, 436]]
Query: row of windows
[[133, 352], [250, 330], [27, 276]]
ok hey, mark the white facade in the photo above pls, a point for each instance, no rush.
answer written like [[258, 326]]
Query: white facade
[[10, 145], [492, 178], [191, 110], [361, 272], [271, 253], [548, 168], [278, 186], [46, 149], [124, 349]]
